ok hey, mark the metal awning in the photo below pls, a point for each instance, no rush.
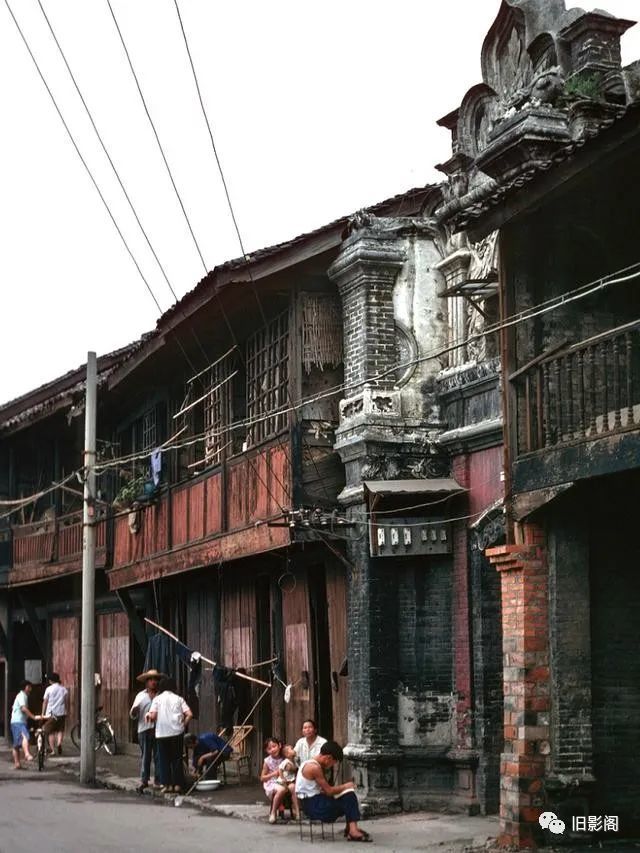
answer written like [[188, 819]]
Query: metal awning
[[431, 486], [480, 288]]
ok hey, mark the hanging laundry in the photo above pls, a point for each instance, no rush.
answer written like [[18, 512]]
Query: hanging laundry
[[160, 654], [224, 681], [156, 466]]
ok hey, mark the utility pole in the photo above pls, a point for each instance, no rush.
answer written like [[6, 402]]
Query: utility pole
[[87, 684]]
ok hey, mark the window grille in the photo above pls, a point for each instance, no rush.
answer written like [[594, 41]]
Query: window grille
[[150, 429], [217, 409], [267, 379]]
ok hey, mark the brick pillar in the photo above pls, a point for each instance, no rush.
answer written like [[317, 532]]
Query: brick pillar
[[525, 628], [463, 753], [365, 272]]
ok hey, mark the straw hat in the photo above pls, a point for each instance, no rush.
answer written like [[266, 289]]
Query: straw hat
[[150, 673]]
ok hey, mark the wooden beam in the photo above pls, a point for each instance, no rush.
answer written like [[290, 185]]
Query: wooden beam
[[137, 625], [32, 616]]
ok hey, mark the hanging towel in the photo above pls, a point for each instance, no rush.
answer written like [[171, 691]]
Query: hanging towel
[[156, 466]]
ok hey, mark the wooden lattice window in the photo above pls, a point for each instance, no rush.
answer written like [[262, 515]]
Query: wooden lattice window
[[321, 331], [150, 429], [267, 379], [218, 409]]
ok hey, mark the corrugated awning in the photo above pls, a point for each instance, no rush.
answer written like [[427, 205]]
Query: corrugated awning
[[442, 485]]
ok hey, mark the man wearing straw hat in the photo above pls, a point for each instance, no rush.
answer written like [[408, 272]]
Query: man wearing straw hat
[[146, 728]]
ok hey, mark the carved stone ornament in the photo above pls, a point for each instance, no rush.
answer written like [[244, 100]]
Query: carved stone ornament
[[431, 461], [393, 226], [490, 531], [537, 55], [469, 375]]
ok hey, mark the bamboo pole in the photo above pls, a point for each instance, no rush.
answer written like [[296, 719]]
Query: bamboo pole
[[202, 657]]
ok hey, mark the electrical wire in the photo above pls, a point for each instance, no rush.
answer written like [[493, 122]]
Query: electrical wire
[[545, 307], [155, 133], [83, 161], [119, 179], [237, 229], [18, 503], [181, 203]]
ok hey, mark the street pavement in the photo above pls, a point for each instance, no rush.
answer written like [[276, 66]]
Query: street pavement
[[50, 812]]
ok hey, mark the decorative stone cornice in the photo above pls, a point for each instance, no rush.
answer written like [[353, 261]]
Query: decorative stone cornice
[[468, 376], [392, 226]]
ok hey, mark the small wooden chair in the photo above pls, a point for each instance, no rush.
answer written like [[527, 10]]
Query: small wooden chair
[[303, 821], [240, 755]]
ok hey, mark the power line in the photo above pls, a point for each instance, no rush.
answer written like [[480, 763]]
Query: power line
[[122, 187], [106, 152], [237, 229], [155, 133], [577, 294], [83, 161], [213, 144], [173, 183]]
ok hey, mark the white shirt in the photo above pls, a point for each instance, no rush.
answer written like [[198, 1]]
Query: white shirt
[[306, 787], [171, 709], [56, 696], [17, 714], [143, 703], [304, 752]]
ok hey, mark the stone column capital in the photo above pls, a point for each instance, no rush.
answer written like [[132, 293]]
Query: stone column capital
[[366, 257]]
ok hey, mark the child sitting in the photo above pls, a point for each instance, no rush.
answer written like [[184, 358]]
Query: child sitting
[[287, 770]]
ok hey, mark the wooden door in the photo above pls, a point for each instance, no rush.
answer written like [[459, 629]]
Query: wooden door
[[203, 630], [297, 656], [337, 612], [113, 666], [239, 644], [64, 654]]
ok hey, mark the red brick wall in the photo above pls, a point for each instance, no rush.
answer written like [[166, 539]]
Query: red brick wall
[[525, 623]]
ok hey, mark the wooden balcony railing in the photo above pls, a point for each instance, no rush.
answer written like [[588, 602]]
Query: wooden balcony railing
[[53, 541], [243, 491], [240, 492], [582, 392]]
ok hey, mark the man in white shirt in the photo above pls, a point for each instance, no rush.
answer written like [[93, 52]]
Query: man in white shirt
[[171, 715], [310, 743], [146, 728], [55, 705]]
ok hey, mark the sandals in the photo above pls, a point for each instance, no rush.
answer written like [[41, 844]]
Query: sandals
[[365, 837]]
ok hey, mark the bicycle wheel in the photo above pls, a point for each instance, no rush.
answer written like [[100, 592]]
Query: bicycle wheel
[[75, 737], [108, 737], [41, 741]]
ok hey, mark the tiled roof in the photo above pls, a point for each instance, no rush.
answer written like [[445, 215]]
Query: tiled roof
[[50, 396], [406, 203], [498, 192]]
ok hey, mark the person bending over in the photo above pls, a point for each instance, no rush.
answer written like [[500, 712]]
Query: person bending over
[[320, 800], [208, 748]]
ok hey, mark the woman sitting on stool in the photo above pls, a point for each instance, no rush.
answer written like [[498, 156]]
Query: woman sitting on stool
[[325, 802]]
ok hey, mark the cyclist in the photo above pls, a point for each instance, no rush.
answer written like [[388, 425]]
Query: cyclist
[[55, 705]]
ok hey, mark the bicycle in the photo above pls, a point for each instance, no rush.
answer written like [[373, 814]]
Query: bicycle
[[105, 736], [41, 743]]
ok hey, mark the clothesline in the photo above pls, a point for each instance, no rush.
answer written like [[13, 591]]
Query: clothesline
[[208, 660]]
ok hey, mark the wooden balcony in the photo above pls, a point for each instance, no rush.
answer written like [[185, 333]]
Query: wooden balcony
[[218, 516], [47, 549], [580, 407]]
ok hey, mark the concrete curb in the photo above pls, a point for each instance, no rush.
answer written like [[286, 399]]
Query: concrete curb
[[113, 782]]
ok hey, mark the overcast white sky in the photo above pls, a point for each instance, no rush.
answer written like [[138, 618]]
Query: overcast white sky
[[318, 108]]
